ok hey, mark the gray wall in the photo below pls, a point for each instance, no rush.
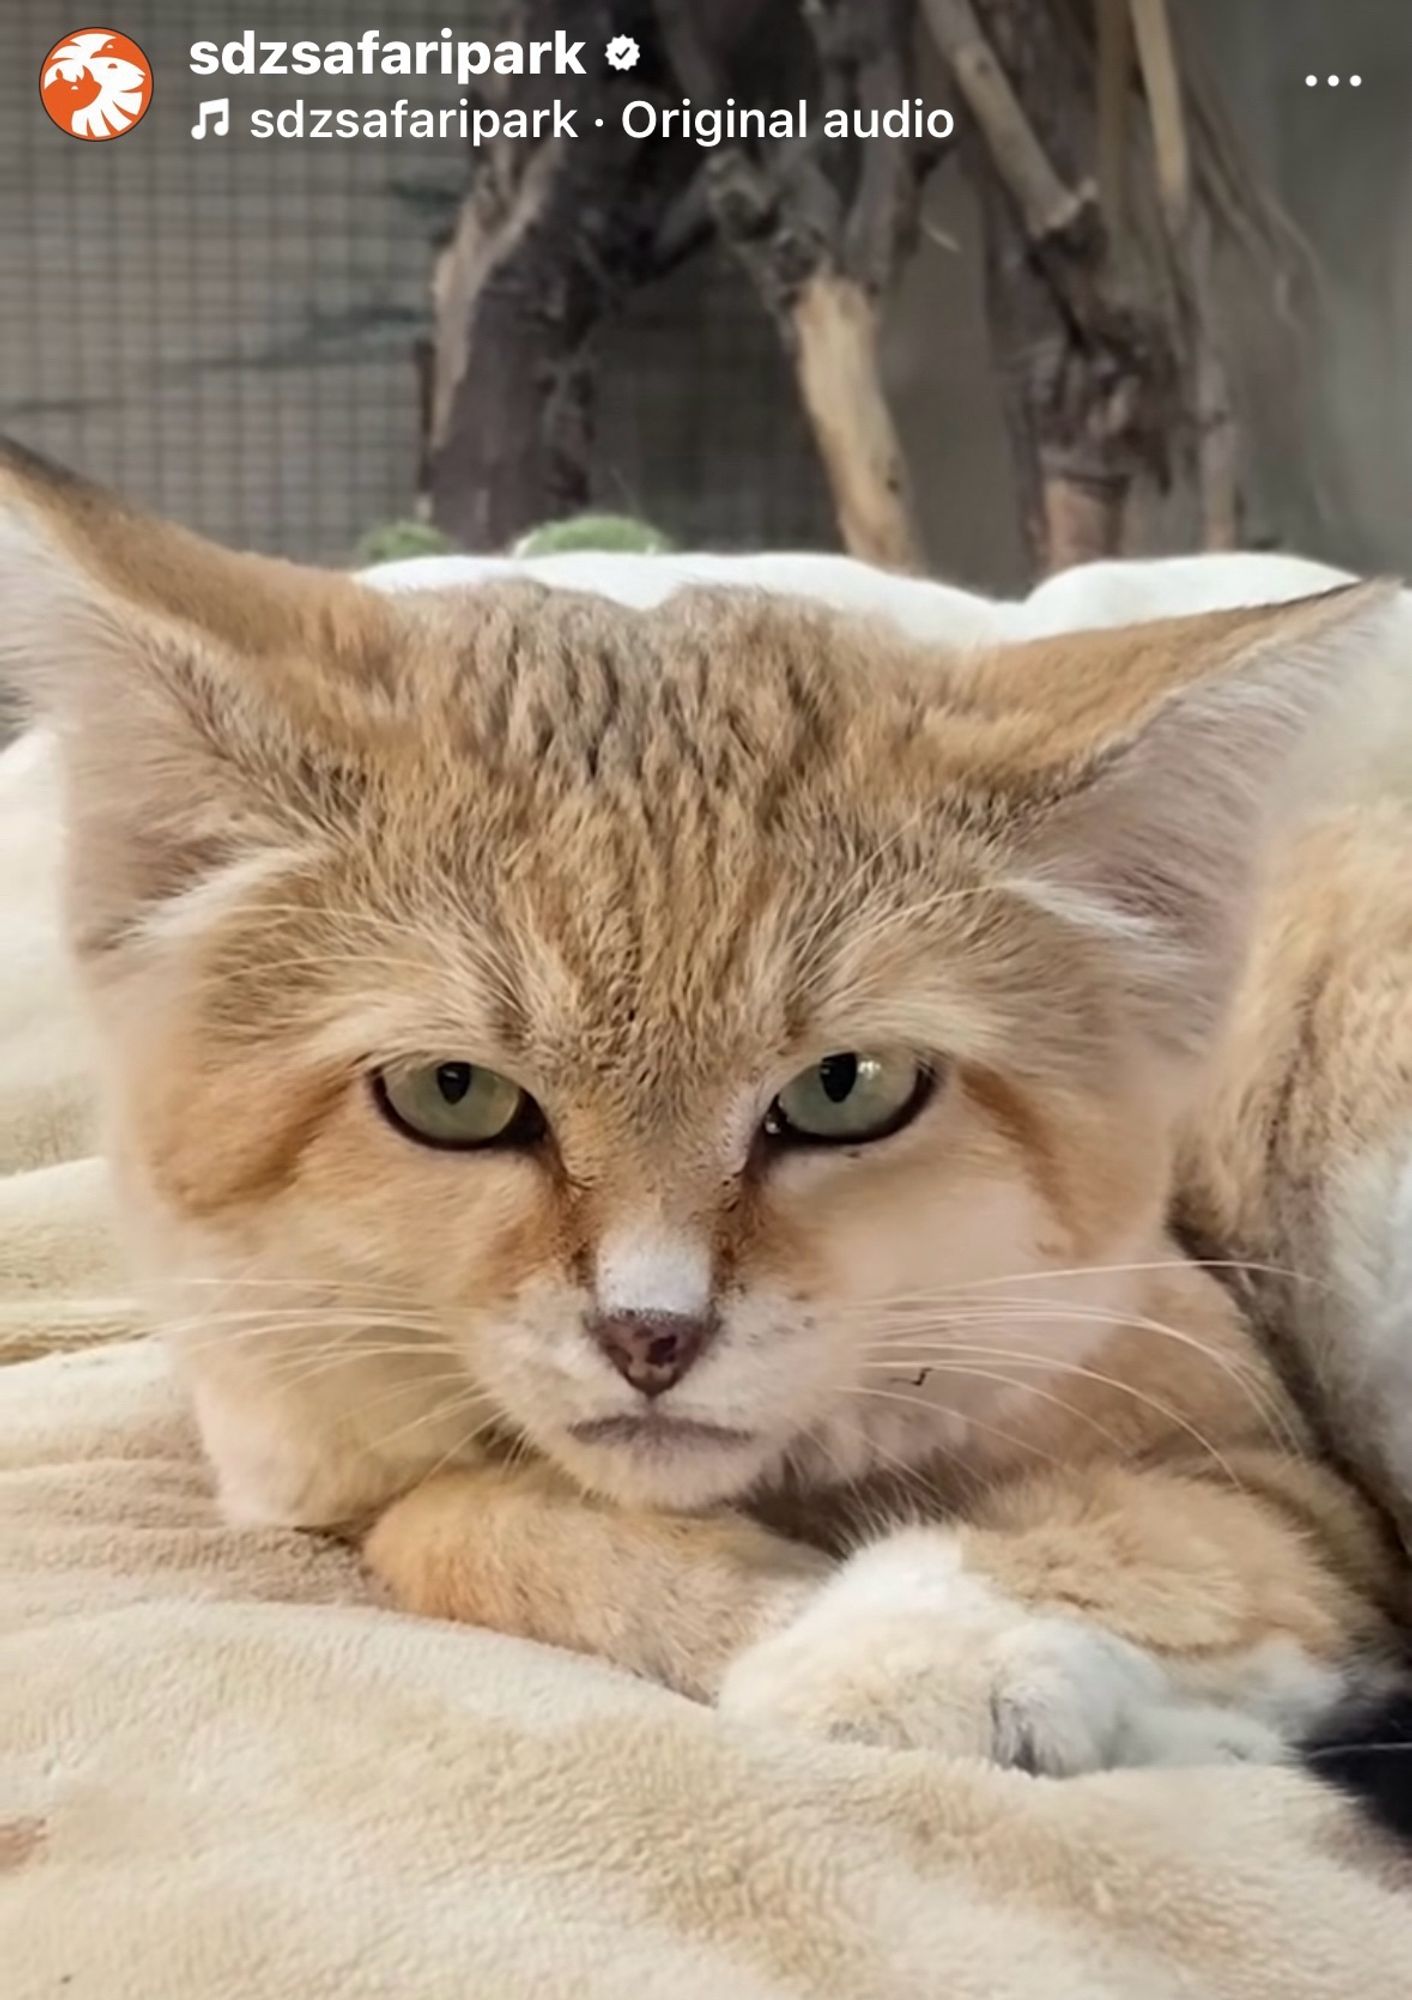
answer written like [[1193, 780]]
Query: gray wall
[[1337, 464]]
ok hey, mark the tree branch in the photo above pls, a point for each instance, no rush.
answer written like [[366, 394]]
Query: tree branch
[[1089, 348], [1048, 207], [1189, 235], [1115, 52], [821, 226], [550, 236], [1161, 79]]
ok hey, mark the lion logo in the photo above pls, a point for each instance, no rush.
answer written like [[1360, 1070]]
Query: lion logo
[[96, 84]]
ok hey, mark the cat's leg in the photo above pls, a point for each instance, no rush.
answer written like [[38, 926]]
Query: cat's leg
[[1093, 1619], [520, 1550]]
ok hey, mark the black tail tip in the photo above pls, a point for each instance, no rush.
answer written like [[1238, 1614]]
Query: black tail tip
[[1370, 1762]]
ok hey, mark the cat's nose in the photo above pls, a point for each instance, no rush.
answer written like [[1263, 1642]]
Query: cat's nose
[[652, 1350]]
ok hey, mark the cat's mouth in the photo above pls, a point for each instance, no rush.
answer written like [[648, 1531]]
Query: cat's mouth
[[649, 1458], [656, 1431]]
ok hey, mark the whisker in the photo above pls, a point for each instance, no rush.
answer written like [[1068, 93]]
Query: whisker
[[371, 1287], [327, 1362], [1262, 1399], [911, 1475], [287, 1347], [452, 1379], [345, 1313], [887, 921], [848, 888], [931, 1409], [821, 1444], [480, 951], [1356, 1749], [284, 1338], [474, 1398], [330, 961], [1121, 1270], [1242, 1376], [949, 1365], [1077, 1371]]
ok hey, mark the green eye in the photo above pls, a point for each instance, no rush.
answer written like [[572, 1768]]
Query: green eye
[[457, 1105], [850, 1099]]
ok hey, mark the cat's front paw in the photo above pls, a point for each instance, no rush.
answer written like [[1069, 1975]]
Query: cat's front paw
[[905, 1649], [1040, 1694]]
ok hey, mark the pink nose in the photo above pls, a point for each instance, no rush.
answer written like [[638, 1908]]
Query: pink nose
[[651, 1350]]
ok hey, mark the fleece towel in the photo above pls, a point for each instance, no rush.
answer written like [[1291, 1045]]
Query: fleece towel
[[226, 1771]]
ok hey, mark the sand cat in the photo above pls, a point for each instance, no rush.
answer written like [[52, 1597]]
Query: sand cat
[[685, 1112]]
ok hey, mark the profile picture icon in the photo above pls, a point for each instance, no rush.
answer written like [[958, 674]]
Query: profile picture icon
[[96, 84]]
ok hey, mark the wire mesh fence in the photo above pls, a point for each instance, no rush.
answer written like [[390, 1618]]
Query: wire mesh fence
[[228, 330]]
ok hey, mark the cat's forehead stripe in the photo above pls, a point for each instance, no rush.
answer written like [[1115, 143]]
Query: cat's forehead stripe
[[715, 687]]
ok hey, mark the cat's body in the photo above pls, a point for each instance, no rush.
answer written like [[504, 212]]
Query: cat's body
[[657, 867]]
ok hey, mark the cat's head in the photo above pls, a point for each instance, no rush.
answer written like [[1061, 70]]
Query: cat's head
[[659, 1027]]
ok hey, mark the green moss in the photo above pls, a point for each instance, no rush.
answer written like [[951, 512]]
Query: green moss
[[396, 541], [594, 531]]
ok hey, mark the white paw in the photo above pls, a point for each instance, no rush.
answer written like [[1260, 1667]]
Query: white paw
[[906, 1650], [1200, 1732]]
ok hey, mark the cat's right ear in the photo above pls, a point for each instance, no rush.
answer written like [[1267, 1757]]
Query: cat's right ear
[[192, 690]]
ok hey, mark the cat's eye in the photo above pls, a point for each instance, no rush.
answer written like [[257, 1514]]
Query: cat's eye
[[457, 1105], [850, 1100]]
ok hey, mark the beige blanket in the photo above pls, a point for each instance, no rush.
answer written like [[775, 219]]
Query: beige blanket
[[224, 1772]]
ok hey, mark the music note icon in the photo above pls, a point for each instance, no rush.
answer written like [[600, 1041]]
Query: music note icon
[[217, 110]]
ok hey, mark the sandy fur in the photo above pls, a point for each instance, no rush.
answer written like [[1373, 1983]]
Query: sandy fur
[[651, 863]]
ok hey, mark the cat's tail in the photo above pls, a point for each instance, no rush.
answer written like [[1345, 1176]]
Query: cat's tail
[[1369, 1760]]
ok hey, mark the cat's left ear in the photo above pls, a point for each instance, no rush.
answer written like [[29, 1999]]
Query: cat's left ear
[[1147, 766]]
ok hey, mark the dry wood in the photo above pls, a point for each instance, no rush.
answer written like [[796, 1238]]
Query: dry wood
[[1103, 314], [1089, 355], [1218, 462], [835, 326], [1046, 204], [1217, 448], [1115, 50], [822, 250], [1157, 59], [550, 236]]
